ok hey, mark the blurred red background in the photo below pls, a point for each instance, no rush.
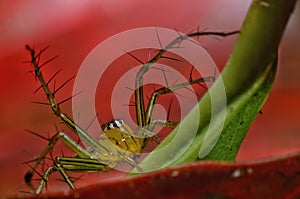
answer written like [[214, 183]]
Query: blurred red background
[[74, 28]]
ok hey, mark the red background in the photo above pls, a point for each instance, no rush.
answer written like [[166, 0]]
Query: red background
[[73, 29]]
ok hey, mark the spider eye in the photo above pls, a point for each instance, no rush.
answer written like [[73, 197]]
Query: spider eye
[[117, 123], [110, 125]]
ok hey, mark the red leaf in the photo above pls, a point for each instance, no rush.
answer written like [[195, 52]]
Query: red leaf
[[272, 178]]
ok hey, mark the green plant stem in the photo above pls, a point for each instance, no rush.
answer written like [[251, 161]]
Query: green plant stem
[[247, 79], [249, 73]]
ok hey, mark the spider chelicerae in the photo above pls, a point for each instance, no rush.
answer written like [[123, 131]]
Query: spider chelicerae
[[119, 143]]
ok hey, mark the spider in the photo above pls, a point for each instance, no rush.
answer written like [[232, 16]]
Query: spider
[[118, 143]]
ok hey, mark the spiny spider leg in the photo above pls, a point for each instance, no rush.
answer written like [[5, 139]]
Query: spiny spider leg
[[164, 123], [139, 94], [86, 138], [165, 90], [70, 164], [77, 149]]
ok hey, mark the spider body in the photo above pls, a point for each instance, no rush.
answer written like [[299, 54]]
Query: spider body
[[121, 135], [119, 143]]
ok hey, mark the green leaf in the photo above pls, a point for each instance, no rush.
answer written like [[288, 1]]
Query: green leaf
[[241, 113]]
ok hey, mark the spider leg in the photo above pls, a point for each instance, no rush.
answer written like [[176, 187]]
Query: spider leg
[[142, 116], [77, 149], [146, 134], [45, 178], [55, 106], [163, 123], [165, 90], [70, 164]]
